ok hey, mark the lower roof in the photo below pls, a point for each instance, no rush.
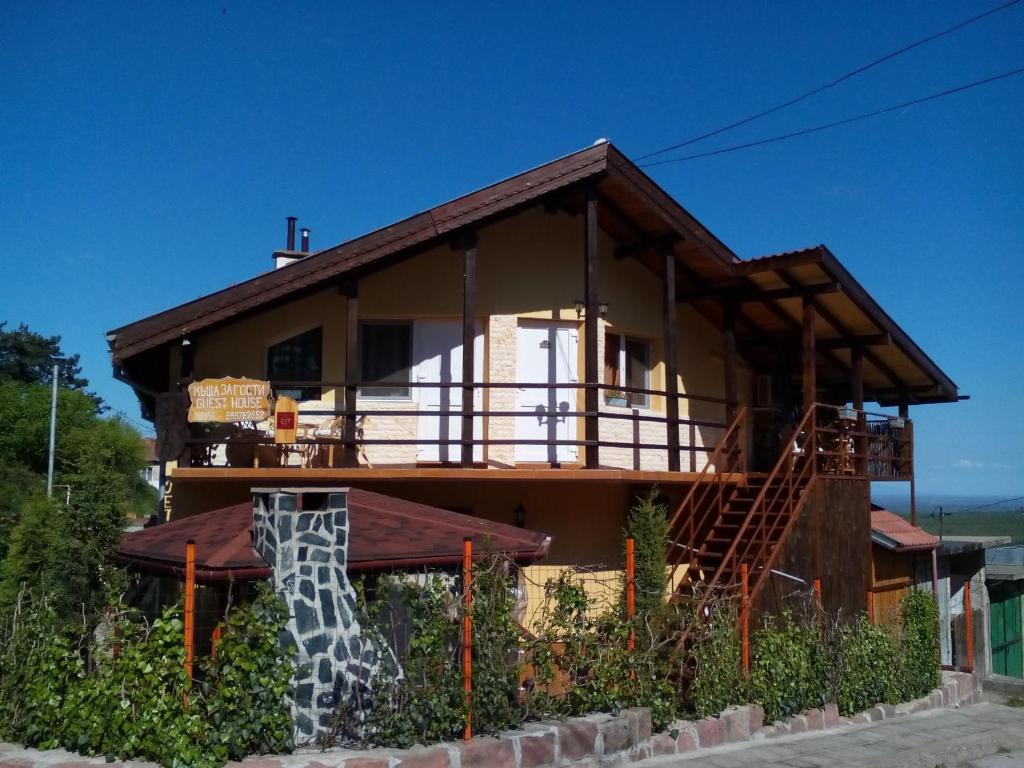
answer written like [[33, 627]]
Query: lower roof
[[897, 534], [384, 533]]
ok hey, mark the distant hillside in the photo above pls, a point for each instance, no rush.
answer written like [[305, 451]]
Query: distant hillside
[[965, 515]]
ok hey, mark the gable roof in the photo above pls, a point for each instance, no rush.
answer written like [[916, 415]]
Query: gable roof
[[384, 532], [624, 185]]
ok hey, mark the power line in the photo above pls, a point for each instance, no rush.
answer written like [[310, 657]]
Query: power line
[[993, 504], [837, 123], [826, 86]]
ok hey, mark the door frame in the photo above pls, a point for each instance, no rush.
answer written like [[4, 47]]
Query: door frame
[[571, 452]]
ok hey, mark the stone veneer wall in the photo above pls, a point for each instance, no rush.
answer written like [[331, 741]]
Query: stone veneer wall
[[304, 537]]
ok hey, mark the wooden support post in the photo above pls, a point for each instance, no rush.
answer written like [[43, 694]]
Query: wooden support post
[[730, 311], [810, 370], [745, 615], [467, 634], [969, 626], [189, 609], [671, 353], [871, 607], [590, 325], [630, 591], [468, 343], [860, 443], [188, 359], [353, 372], [904, 413], [693, 450]]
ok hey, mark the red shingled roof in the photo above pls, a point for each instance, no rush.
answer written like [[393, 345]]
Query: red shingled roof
[[896, 533], [385, 532]]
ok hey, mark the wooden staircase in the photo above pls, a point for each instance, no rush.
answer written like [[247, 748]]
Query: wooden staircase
[[728, 519]]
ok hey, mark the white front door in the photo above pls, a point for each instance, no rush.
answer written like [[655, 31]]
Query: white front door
[[437, 355], [546, 353]]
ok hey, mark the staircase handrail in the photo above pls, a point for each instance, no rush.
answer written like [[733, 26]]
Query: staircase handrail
[[785, 462], [701, 486]]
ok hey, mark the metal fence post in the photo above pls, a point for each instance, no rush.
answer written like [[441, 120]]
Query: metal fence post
[[745, 615], [630, 591], [190, 610]]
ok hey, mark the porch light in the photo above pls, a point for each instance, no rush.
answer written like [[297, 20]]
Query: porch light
[[602, 309]]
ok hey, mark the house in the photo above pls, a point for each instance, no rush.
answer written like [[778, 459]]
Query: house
[[537, 353], [150, 473], [1004, 576]]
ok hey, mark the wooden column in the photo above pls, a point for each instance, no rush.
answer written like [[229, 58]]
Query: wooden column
[[671, 362], [730, 310], [353, 372], [188, 359], [809, 354], [468, 343], [860, 443], [590, 361], [905, 414]]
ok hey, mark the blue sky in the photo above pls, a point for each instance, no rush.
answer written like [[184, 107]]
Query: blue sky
[[150, 152]]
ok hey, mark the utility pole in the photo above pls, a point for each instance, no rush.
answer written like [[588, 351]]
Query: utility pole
[[53, 434]]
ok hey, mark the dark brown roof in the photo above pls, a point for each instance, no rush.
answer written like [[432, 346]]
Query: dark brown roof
[[622, 186], [895, 369], [384, 532]]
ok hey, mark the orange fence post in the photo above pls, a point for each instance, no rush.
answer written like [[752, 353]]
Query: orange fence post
[[817, 590], [745, 615], [214, 639], [467, 635], [969, 626], [630, 591], [190, 609], [871, 607]]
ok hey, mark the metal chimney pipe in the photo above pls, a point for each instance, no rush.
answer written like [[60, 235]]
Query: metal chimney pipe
[[291, 233], [305, 239]]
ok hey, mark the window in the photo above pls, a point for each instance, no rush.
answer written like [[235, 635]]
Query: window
[[386, 352], [627, 363], [299, 358]]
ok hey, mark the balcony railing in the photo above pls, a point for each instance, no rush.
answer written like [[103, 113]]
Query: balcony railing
[[329, 435], [860, 443]]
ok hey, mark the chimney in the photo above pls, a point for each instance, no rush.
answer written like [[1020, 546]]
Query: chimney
[[305, 240], [291, 234]]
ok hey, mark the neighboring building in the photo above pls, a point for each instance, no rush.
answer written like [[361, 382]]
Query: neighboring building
[[538, 353], [899, 552], [151, 472], [1004, 574]]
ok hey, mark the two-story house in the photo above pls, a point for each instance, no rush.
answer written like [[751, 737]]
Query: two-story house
[[540, 351]]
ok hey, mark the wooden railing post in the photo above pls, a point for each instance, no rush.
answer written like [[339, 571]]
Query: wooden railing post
[[591, 394], [468, 339], [353, 362], [467, 635]]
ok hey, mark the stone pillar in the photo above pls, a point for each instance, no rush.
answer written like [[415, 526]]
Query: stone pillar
[[303, 536]]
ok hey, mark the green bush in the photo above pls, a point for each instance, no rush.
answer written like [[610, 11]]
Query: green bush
[[789, 670], [919, 643], [718, 677], [867, 667], [125, 698], [647, 524]]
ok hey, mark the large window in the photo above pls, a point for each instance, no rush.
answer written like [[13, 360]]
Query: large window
[[627, 363], [386, 350], [299, 358]]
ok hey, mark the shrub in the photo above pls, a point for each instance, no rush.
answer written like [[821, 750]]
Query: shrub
[[789, 667], [867, 667], [647, 524], [718, 677], [921, 671]]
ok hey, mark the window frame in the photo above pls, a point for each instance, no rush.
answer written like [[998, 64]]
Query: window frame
[[622, 369], [367, 393], [298, 394]]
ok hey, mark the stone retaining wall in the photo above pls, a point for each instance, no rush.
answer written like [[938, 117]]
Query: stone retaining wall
[[586, 742]]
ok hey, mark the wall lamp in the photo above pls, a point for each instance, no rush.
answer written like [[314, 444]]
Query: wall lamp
[[602, 309]]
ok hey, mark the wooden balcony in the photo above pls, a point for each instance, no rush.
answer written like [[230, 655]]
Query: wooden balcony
[[386, 437]]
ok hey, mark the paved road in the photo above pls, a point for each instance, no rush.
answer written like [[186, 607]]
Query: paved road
[[979, 736]]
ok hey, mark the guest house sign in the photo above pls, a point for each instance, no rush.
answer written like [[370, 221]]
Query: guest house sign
[[228, 400]]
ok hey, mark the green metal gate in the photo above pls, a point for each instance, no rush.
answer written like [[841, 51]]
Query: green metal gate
[[1007, 648]]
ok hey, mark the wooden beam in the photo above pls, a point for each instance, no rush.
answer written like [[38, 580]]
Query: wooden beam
[[730, 310], [856, 342], [750, 292], [857, 399], [671, 353], [809, 354], [468, 342], [590, 361], [353, 363]]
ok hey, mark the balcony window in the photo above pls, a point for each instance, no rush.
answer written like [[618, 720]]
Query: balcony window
[[299, 358], [627, 363], [386, 351]]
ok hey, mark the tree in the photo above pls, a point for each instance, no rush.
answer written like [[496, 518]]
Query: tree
[[29, 357], [647, 525]]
